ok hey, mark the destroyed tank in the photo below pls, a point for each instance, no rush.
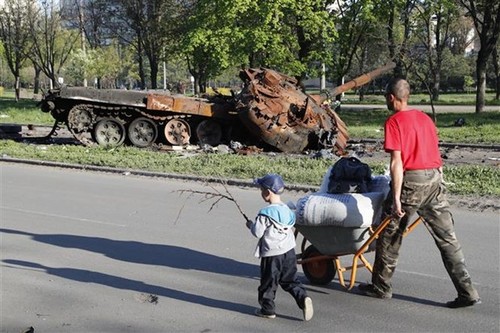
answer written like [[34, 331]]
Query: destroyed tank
[[271, 109]]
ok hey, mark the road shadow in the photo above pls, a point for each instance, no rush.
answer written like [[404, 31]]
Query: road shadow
[[335, 285], [86, 276], [147, 254]]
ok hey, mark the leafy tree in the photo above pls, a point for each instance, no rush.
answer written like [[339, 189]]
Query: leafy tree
[[208, 38], [285, 35], [15, 35], [157, 20], [486, 17], [107, 65], [288, 35], [145, 25], [354, 19], [79, 62], [455, 68], [92, 19], [372, 53], [460, 34], [52, 44], [397, 16], [434, 20]]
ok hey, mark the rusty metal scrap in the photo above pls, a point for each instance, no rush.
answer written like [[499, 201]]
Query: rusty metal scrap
[[363, 79], [274, 108], [271, 108]]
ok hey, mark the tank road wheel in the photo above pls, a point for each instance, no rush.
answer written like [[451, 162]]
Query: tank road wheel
[[108, 132], [79, 122], [209, 132], [318, 272], [142, 132], [177, 132]]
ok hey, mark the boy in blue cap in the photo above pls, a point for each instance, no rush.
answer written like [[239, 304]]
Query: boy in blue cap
[[273, 226]]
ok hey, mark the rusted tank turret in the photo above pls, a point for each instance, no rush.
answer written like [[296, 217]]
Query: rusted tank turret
[[273, 107], [270, 108]]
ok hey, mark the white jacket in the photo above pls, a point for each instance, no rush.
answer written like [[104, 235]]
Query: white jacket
[[273, 226]]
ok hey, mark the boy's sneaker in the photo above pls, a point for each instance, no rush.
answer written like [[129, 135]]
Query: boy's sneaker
[[308, 310], [462, 302], [369, 289], [258, 313]]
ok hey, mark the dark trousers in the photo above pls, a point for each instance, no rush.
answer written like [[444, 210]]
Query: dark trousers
[[280, 270], [423, 193]]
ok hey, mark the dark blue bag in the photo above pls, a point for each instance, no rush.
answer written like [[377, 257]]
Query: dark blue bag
[[349, 175]]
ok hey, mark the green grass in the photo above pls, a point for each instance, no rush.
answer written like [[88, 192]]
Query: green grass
[[473, 180], [24, 111], [477, 180], [479, 128], [444, 99]]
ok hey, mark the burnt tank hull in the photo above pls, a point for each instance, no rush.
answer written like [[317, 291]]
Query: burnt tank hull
[[142, 118], [270, 109]]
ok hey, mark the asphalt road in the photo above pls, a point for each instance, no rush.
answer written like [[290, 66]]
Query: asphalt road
[[94, 252]]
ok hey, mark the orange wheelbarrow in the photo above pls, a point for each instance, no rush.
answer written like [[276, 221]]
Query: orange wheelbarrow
[[321, 259]]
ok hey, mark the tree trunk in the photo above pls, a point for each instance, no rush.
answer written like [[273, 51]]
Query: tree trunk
[[196, 85], [496, 66], [142, 74], [435, 86], [18, 93], [390, 33], [154, 73], [140, 60], [36, 87], [481, 83]]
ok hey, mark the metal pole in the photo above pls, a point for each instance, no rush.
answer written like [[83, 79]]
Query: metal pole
[[164, 75], [323, 77]]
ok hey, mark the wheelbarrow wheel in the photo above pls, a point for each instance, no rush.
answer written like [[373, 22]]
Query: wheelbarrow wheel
[[320, 272]]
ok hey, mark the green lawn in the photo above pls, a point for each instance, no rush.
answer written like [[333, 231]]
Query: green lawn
[[478, 180], [23, 112], [479, 128], [444, 99]]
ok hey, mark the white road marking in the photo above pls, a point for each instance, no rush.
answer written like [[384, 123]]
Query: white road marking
[[62, 216]]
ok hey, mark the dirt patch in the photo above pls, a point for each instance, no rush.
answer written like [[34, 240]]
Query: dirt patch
[[476, 203], [451, 154]]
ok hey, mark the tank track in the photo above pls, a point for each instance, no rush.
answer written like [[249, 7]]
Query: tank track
[[82, 119]]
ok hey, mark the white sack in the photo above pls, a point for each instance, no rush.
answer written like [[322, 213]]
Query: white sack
[[344, 210]]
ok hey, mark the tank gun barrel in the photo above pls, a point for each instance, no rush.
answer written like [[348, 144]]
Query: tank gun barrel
[[362, 80]]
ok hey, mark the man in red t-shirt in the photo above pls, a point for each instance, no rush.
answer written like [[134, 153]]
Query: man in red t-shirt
[[417, 187]]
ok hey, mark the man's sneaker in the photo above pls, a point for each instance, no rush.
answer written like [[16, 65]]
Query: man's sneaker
[[370, 290], [258, 313], [308, 310], [462, 302]]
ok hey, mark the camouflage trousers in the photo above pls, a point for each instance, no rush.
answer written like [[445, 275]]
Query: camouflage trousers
[[424, 193]]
